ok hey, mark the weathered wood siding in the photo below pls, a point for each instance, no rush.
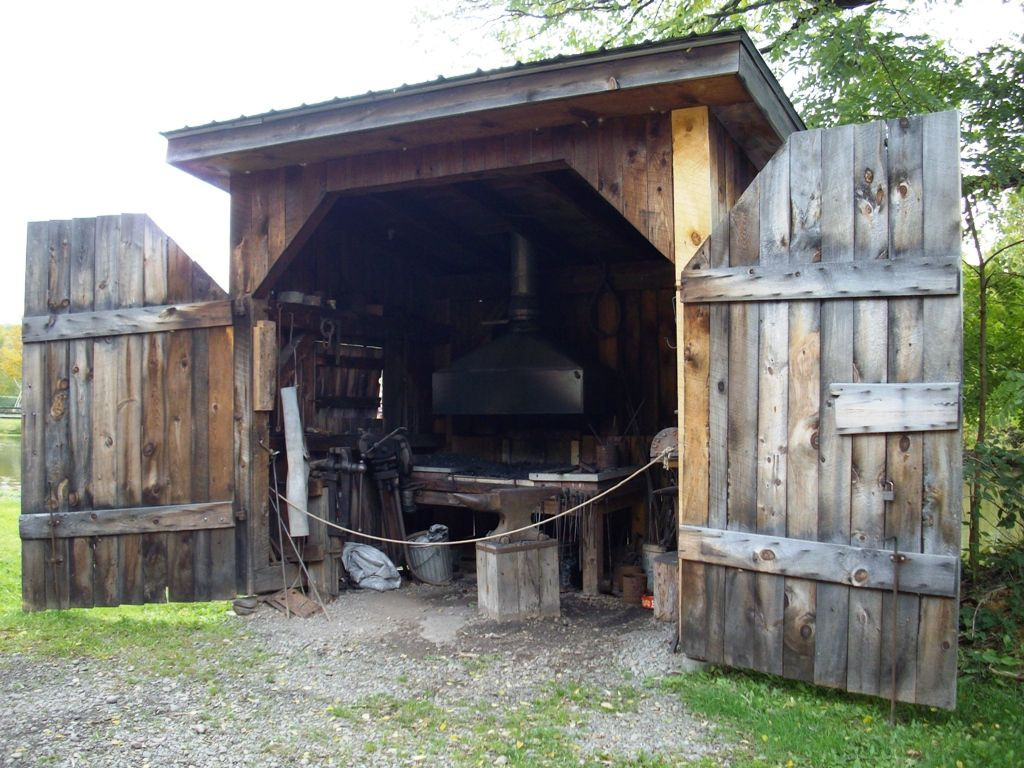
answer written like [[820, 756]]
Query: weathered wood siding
[[127, 435], [771, 447], [628, 160]]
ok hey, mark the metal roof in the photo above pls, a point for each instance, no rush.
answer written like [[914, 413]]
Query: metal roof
[[215, 150]]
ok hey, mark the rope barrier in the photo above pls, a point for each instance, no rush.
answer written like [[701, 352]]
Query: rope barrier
[[661, 457]]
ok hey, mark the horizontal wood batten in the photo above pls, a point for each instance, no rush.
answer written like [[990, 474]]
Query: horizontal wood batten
[[121, 322], [880, 408], [108, 522], [823, 280], [865, 567]]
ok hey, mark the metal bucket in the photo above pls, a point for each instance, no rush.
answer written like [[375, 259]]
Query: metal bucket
[[432, 565]]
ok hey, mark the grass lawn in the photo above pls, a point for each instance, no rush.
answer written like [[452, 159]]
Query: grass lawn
[[786, 724], [10, 427], [167, 638]]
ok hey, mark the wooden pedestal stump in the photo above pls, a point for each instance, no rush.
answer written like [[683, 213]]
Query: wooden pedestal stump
[[518, 579], [666, 586]]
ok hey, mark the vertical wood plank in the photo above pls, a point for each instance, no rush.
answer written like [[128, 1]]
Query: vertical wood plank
[[83, 263], [200, 478], [870, 345], [906, 363], [718, 445], [718, 383], [659, 183], [155, 478], [744, 341], [129, 405], [942, 457], [33, 420], [772, 415], [837, 206], [634, 171], [222, 423], [804, 392], [58, 448], [104, 438]]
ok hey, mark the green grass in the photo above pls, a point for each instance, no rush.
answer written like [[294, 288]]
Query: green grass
[[546, 731], [780, 723], [10, 427], [162, 639]]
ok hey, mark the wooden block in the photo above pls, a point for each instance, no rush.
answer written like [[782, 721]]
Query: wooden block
[[129, 320], [864, 567], [880, 408], [804, 280], [666, 586], [518, 580]]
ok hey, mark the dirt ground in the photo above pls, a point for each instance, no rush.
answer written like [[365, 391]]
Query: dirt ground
[[409, 677]]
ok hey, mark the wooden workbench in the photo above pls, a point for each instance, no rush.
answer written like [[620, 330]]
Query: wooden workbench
[[442, 487]]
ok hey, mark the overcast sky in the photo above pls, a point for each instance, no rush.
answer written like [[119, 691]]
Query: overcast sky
[[88, 86]]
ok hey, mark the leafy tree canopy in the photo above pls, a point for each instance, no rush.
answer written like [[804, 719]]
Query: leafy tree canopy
[[852, 60]]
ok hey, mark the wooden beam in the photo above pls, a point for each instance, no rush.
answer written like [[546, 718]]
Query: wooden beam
[[264, 368], [131, 520], [879, 408], [122, 322], [692, 192], [825, 280], [863, 567]]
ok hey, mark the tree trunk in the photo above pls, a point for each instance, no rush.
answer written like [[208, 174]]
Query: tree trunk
[[974, 529]]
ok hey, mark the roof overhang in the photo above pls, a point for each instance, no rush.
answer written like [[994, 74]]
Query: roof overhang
[[723, 71]]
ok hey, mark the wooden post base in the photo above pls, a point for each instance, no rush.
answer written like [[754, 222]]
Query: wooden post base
[[666, 586], [517, 580]]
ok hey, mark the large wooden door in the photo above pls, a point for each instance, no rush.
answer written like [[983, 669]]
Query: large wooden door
[[128, 417], [821, 335]]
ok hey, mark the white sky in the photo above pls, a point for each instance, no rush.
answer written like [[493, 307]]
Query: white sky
[[88, 86]]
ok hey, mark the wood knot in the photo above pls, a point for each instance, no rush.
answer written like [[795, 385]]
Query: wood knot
[[59, 405], [860, 575], [806, 631], [869, 175], [904, 443], [148, 449], [879, 196], [695, 238], [766, 554], [108, 441], [903, 188], [721, 387]]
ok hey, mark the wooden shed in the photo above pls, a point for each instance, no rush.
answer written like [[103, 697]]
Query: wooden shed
[[643, 238]]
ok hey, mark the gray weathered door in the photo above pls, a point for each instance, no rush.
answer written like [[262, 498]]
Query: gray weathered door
[[128, 430], [821, 332]]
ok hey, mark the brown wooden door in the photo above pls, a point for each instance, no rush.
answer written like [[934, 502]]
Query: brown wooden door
[[127, 432], [821, 334]]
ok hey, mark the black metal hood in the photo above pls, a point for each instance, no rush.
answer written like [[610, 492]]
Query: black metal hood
[[519, 373]]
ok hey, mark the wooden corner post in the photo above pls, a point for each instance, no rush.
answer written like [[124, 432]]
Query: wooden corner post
[[693, 193]]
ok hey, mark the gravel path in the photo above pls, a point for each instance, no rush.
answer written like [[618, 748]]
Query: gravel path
[[413, 677]]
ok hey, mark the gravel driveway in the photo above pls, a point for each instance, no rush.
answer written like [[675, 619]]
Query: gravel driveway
[[412, 677]]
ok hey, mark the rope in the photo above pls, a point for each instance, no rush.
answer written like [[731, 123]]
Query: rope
[[661, 457]]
